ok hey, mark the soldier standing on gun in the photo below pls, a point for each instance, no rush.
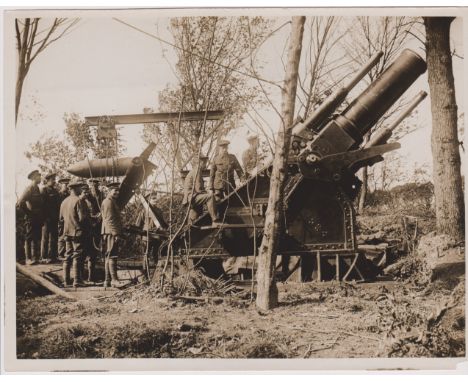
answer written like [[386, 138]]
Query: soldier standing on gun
[[195, 194], [250, 158], [222, 181], [52, 201], [112, 234], [63, 194], [73, 215], [145, 222], [31, 204]]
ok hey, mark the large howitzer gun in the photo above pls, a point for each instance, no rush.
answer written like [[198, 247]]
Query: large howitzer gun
[[326, 146], [319, 240]]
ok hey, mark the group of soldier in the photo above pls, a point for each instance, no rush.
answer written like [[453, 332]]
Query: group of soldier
[[69, 224], [76, 221]]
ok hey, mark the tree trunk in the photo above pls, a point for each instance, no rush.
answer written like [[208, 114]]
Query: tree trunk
[[267, 292], [19, 90], [449, 203], [363, 193]]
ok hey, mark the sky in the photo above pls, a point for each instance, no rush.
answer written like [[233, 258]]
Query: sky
[[104, 68]]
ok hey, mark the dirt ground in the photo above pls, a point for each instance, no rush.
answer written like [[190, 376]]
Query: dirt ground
[[314, 320]]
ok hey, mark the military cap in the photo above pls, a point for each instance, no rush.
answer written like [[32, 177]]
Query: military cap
[[32, 174], [223, 142], [50, 175], [75, 183], [64, 180], [114, 185], [251, 138]]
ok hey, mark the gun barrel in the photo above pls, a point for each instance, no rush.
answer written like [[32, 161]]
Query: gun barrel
[[364, 70], [336, 99], [372, 104], [383, 135]]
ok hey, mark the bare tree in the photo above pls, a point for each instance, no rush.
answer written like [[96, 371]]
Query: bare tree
[[211, 55], [448, 191], [33, 36], [367, 36], [323, 67], [267, 292]]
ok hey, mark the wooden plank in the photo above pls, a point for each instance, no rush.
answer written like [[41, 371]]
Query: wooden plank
[[28, 272], [227, 225], [130, 119]]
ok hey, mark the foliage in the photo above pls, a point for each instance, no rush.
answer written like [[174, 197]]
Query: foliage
[[31, 40], [212, 54], [56, 154]]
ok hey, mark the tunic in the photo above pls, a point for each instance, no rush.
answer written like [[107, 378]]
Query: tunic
[[222, 173], [250, 159], [73, 214], [111, 219]]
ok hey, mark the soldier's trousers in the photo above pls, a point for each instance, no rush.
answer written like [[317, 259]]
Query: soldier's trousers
[[73, 248], [61, 248], [110, 245], [33, 235], [89, 251], [49, 243], [197, 203]]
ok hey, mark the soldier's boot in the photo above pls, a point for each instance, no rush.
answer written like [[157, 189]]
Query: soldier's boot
[[66, 274], [107, 277], [77, 281], [27, 252], [91, 271], [115, 282]]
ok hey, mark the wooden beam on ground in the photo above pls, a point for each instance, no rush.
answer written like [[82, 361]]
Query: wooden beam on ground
[[42, 281]]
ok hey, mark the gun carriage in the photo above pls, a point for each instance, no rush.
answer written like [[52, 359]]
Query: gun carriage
[[319, 236], [319, 239]]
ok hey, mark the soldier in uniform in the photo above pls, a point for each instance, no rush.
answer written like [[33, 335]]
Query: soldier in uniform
[[93, 215], [222, 171], [31, 204], [146, 223], [250, 158], [195, 193], [52, 202], [112, 234], [63, 194], [73, 215]]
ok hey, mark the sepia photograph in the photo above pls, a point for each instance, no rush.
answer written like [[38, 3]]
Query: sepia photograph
[[234, 184]]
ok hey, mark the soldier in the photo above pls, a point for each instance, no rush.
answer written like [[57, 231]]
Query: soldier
[[195, 194], [145, 222], [31, 204], [112, 234], [93, 216], [73, 215], [222, 171], [63, 194], [52, 202], [250, 159]]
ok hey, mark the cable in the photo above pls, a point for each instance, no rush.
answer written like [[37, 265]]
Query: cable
[[196, 55]]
